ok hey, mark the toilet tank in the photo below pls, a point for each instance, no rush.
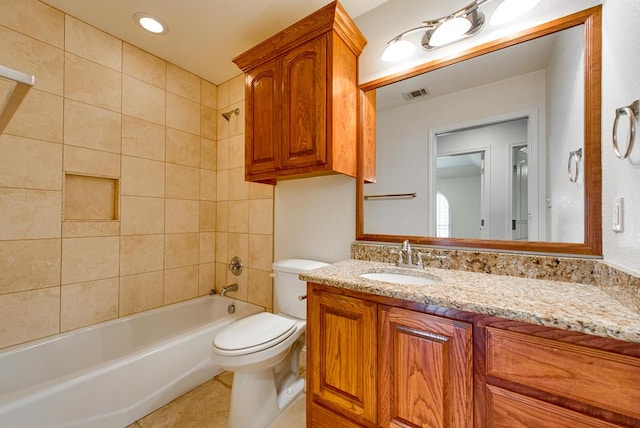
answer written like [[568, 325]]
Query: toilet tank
[[287, 287]]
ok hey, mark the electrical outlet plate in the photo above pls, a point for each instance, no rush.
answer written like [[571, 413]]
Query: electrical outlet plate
[[618, 211]]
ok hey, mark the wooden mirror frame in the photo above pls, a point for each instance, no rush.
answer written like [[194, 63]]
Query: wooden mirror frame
[[592, 245]]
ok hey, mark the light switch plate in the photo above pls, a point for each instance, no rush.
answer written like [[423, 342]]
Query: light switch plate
[[618, 214]]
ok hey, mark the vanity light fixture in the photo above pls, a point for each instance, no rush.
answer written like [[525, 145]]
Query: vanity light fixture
[[150, 23], [458, 25]]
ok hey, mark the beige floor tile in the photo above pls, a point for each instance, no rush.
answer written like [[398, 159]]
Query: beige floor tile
[[293, 416]]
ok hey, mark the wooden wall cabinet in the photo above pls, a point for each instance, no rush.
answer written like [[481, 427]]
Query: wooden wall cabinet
[[375, 365], [301, 99]]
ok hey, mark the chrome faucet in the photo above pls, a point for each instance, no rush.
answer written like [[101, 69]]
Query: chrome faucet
[[232, 287], [406, 247], [405, 256]]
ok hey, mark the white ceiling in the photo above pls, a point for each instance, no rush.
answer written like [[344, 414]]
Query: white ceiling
[[204, 35]]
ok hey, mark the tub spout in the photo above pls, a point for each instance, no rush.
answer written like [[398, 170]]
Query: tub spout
[[232, 287]]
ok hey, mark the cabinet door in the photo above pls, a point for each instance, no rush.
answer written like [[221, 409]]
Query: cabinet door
[[425, 370], [342, 344], [263, 117], [304, 105]]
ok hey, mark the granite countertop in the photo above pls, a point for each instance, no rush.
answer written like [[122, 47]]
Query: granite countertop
[[564, 305]]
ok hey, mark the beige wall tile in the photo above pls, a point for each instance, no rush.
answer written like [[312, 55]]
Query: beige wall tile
[[260, 288], [142, 100], [88, 303], [238, 246], [144, 66], [208, 122], [143, 139], [89, 259], [141, 292], [261, 216], [209, 94], [236, 151], [183, 148], [222, 124], [222, 216], [30, 214], [141, 253], [222, 160], [183, 83], [29, 264], [141, 215], [34, 19], [88, 42], [223, 95], [236, 124], [239, 216], [84, 229], [29, 315], [207, 247], [30, 164], [260, 191], [92, 83], [180, 284], [92, 127], [181, 216], [33, 57], [183, 182], [207, 216], [183, 114], [221, 276], [221, 248], [142, 177], [207, 154], [236, 89], [207, 278], [260, 252], [181, 249], [208, 185], [91, 162], [39, 117], [238, 188], [90, 198]]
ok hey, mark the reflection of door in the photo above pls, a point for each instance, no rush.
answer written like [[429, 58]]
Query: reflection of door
[[519, 193], [460, 181]]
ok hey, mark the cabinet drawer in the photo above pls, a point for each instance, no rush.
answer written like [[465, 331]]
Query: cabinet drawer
[[603, 379], [507, 409]]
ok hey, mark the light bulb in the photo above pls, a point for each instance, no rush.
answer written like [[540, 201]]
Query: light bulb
[[509, 10], [398, 49], [449, 31], [150, 23]]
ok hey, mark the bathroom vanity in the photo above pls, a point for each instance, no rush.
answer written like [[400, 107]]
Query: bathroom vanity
[[467, 349]]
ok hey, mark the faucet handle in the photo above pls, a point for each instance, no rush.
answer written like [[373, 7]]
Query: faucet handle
[[399, 253], [420, 262]]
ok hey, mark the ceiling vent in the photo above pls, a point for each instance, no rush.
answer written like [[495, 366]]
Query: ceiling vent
[[415, 94]]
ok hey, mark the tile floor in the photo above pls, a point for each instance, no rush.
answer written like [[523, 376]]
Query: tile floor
[[207, 406]]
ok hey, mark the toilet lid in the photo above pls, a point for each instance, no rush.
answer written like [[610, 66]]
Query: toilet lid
[[254, 333]]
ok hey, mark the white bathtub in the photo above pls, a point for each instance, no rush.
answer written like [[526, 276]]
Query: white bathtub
[[113, 373]]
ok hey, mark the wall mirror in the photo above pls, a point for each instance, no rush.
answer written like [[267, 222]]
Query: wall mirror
[[497, 148]]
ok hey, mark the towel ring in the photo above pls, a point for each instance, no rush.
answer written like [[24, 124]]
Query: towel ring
[[576, 155], [631, 112]]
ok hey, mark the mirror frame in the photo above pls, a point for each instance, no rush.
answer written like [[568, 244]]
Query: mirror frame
[[592, 245]]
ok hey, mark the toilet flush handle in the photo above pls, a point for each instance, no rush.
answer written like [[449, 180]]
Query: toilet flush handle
[[302, 297]]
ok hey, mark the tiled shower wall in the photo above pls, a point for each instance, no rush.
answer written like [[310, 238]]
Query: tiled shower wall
[[104, 108]]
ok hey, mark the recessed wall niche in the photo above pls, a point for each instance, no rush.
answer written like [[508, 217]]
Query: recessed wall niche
[[90, 198]]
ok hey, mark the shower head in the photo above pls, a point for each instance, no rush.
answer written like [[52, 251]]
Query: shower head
[[228, 114]]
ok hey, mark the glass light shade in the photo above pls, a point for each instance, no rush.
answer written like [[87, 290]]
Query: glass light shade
[[509, 10], [398, 49], [150, 23], [449, 31]]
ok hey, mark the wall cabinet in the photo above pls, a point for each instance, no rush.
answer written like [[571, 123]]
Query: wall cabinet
[[377, 365], [301, 99]]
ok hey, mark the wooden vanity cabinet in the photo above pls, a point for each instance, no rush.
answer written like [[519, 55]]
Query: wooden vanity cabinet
[[301, 99], [376, 365]]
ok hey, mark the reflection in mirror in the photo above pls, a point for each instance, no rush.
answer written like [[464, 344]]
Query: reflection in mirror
[[484, 144]]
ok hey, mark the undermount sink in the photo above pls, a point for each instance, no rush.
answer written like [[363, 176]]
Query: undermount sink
[[399, 278]]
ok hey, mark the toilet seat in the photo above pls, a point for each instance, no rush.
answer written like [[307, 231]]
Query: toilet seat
[[253, 334]]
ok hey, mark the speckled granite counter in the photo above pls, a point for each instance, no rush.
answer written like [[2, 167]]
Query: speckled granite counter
[[565, 305]]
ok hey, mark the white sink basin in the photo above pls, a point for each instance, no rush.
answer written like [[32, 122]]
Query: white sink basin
[[399, 278]]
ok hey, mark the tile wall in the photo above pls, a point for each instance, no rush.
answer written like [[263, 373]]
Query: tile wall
[[103, 108]]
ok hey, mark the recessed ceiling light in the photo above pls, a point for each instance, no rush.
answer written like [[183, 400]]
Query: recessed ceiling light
[[150, 23]]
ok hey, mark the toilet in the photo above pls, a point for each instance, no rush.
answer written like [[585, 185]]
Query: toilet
[[263, 351]]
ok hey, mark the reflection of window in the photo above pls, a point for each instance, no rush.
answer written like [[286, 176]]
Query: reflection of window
[[443, 217]]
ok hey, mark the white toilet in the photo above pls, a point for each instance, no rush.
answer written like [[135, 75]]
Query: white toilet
[[263, 351]]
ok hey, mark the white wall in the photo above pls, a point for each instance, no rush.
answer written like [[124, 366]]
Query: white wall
[[620, 86], [463, 194]]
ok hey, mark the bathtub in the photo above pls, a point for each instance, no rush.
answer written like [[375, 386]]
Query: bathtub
[[112, 374]]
